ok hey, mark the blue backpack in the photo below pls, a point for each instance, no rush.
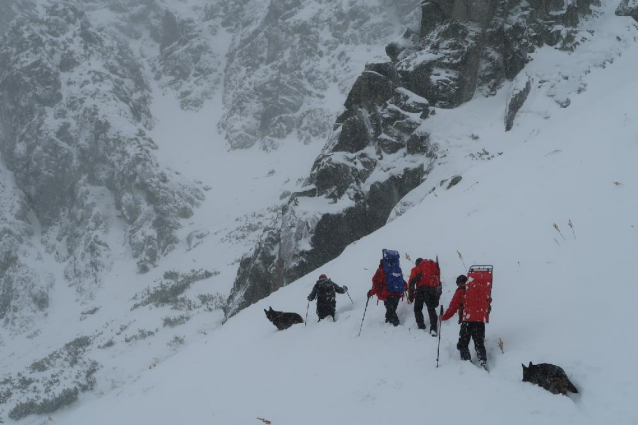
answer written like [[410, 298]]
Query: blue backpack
[[392, 270]]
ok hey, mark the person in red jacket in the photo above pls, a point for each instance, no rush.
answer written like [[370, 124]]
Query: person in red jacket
[[471, 328], [425, 288], [390, 299]]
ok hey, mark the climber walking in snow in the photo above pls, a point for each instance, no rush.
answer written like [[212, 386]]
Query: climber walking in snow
[[325, 291], [425, 288], [472, 300], [388, 285]]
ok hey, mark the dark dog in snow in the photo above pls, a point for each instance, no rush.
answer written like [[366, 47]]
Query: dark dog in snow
[[282, 320], [551, 377]]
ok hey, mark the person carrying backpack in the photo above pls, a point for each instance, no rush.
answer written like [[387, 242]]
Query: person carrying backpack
[[388, 285], [472, 325], [325, 291], [425, 287]]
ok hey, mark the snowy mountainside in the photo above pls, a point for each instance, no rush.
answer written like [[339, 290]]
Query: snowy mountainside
[[128, 334], [126, 57], [562, 294], [75, 118], [384, 144]]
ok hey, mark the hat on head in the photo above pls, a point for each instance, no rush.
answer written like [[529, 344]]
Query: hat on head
[[418, 261], [462, 279], [323, 276]]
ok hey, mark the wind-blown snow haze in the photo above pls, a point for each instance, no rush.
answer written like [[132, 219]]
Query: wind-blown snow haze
[[171, 170]]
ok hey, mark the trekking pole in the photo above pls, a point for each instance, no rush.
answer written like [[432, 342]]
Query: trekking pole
[[364, 316], [307, 310], [348, 294], [461, 257], [439, 346]]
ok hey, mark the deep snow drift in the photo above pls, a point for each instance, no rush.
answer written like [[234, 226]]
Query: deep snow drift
[[562, 294]]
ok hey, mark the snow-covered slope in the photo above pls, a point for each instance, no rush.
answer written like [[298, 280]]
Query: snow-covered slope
[[553, 213], [149, 348]]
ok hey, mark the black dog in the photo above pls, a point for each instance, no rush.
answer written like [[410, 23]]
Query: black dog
[[282, 320], [551, 377]]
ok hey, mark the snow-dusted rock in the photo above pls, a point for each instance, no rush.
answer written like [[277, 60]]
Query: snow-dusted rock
[[73, 121], [287, 55], [467, 46], [628, 8], [187, 62], [375, 156], [24, 286], [518, 95]]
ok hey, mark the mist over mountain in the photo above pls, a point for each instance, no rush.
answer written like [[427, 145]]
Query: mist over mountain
[[166, 165]]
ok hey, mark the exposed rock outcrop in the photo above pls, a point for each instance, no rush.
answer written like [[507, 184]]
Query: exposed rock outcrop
[[628, 8], [470, 45], [518, 96]]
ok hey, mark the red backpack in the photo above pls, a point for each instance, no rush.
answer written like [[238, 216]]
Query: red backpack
[[430, 273], [478, 294]]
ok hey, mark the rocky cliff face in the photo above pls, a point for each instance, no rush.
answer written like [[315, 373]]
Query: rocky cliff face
[[468, 46], [376, 153], [179, 47], [74, 111], [24, 286], [288, 55], [375, 156]]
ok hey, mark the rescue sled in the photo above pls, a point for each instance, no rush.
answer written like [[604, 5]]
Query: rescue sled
[[478, 294]]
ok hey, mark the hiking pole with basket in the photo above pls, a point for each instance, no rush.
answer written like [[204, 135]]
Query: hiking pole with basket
[[307, 310], [364, 316], [438, 348]]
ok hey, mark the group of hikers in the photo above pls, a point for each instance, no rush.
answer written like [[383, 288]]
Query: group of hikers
[[424, 288]]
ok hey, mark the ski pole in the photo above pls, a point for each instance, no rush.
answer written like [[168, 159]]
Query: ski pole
[[438, 348], [307, 310], [364, 316], [349, 297]]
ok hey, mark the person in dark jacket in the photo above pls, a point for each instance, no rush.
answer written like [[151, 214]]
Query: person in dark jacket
[[471, 328], [390, 300], [425, 288], [325, 291]]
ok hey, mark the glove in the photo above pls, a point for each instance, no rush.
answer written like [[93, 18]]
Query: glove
[[345, 288], [369, 293], [309, 298]]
